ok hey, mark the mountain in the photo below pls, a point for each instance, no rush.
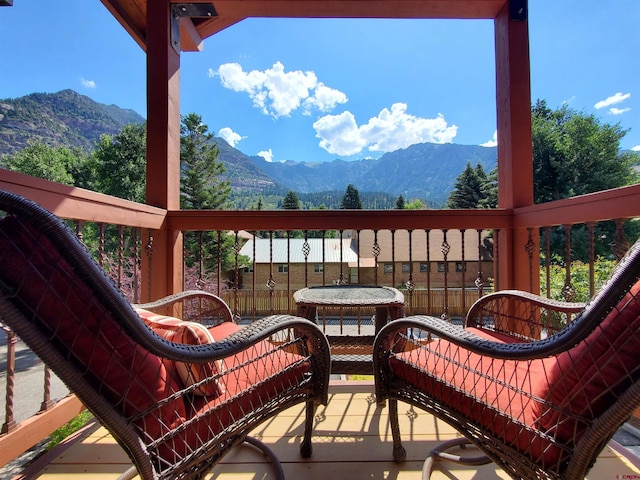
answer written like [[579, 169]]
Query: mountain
[[426, 171], [65, 118]]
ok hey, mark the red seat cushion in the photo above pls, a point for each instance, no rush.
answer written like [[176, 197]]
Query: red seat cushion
[[454, 378]]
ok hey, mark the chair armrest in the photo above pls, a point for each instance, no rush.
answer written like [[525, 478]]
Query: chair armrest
[[524, 315], [192, 305], [421, 329]]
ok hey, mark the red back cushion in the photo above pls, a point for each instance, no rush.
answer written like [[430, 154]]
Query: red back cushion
[[189, 333]]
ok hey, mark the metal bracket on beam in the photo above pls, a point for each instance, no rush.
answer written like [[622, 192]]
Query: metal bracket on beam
[[518, 10], [186, 10]]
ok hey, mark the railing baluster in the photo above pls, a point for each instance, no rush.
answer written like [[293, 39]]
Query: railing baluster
[[410, 283], [547, 254], [445, 248], [46, 400], [462, 276], [479, 281], [568, 292], [592, 256], [393, 258], [375, 250], [10, 423], [428, 243], [271, 283]]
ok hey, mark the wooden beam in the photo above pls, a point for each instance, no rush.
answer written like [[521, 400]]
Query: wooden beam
[[79, 204], [163, 150], [621, 202], [515, 155], [338, 219]]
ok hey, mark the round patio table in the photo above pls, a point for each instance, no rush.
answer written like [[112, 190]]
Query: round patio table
[[349, 353]]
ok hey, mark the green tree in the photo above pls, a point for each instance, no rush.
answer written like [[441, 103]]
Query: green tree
[[489, 190], [574, 154], [58, 164], [291, 201], [118, 164], [467, 191], [200, 187], [400, 203], [414, 205], [351, 199]]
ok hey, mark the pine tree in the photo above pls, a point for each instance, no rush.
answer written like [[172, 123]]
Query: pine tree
[[467, 191], [400, 203], [200, 187], [351, 199], [291, 201]]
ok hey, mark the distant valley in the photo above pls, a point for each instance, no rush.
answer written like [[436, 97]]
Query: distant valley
[[423, 171]]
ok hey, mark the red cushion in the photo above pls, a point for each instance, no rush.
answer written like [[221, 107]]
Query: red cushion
[[587, 378], [189, 333], [53, 296], [438, 371]]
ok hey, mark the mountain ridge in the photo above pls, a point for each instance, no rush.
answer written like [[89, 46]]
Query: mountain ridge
[[424, 171]]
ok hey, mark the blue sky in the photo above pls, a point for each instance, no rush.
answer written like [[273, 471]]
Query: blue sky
[[316, 90]]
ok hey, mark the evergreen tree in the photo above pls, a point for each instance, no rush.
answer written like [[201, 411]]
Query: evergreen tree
[[351, 199], [489, 190], [400, 203], [467, 191], [291, 201], [200, 187]]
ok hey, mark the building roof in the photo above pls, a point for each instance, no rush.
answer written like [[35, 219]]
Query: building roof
[[276, 250]]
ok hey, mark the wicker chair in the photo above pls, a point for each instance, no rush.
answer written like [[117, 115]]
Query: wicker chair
[[175, 395], [538, 399]]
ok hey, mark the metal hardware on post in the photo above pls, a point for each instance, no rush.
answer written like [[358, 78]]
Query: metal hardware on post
[[186, 10], [518, 10]]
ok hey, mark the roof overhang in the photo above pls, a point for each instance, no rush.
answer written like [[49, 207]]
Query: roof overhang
[[193, 30]]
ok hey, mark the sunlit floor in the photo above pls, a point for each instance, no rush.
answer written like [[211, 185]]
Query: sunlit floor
[[352, 441]]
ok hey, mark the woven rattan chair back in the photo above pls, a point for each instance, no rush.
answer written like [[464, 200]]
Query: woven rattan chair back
[[541, 402], [175, 402]]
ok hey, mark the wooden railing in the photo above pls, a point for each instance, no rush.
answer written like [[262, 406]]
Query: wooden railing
[[89, 210]]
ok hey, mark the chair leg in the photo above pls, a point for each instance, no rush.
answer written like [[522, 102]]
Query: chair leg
[[399, 453], [440, 453], [267, 452], [306, 448]]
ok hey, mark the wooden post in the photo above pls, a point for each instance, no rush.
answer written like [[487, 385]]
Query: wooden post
[[163, 150], [515, 153]]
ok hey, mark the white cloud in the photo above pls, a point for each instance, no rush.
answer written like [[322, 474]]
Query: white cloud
[[231, 137], [390, 130], [88, 83], [612, 100], [618, 111], [491, 143], [278, 93], [267, 155], [636, 148]]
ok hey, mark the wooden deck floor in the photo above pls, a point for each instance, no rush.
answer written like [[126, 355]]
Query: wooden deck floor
[[352, 441]]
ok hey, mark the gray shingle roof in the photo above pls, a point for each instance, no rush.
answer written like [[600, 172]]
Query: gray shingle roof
[[277, 250]]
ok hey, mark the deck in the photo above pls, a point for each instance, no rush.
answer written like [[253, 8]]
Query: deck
[[352, 441]]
